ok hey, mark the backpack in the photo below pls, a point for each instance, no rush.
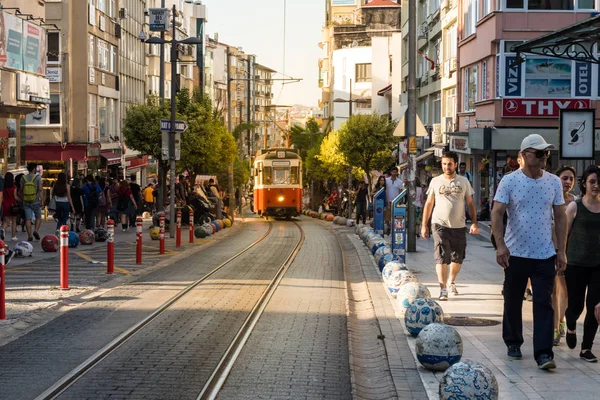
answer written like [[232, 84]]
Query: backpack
[[29, 189], [93, 199]]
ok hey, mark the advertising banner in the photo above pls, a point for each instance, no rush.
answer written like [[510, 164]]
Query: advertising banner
[[11, 38], [512, 76], [540, 108], [577, 134], [34, 48], [399, 228], [583, 79]]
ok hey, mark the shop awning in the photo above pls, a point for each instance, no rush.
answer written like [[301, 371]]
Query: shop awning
[[55, 152], [385, 90], [418, 158], [136, 162], [399, 131], [111, 158]]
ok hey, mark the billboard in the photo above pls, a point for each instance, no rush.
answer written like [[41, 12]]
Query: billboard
[[540, 108], [22, 44]]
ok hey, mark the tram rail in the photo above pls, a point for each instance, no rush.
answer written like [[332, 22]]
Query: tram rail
[[220, 373]]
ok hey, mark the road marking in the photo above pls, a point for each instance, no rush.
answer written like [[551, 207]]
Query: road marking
[[90, 259]]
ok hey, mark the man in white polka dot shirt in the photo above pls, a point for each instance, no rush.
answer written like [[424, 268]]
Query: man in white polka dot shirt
[[531, 197]]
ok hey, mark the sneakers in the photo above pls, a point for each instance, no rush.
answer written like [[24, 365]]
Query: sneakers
[[571, 339], [8, 256], [528, 295], [562, 329], [36, 235], [588, 356], [556, 340], [30, 239], [546, 362], [14, 238], [443, 294], [453, 288], [514, 352]]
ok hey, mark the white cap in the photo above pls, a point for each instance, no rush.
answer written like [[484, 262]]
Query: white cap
[[535, 141]]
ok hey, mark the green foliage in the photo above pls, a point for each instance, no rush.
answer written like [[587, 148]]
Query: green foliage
[[141, 128], [241, 128], [241, 174], [332, 159], [366, 142]]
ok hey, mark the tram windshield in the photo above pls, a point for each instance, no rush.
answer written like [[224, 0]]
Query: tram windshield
[[280, 175]]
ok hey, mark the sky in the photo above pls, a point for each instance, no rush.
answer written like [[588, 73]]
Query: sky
[[257, 26]]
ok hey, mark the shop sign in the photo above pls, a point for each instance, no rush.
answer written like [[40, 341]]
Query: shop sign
[[583, 79], [540, 108], [512, 74], [54, 74], [459, 143], [93, 151], [32, 88]]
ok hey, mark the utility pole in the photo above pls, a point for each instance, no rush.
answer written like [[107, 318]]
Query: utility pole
[[229, 128], [248, 106], [172, 133], [411, 123], [161, 95]]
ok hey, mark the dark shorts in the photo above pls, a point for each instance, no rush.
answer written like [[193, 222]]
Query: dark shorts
[[449, 244]]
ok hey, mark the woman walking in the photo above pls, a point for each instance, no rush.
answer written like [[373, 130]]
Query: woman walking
[[125, 202], [77, 202], [567, 175], [583, 257], [61, 192], [10, 204]]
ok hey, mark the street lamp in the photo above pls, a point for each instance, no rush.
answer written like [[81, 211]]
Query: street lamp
[[174, 42]]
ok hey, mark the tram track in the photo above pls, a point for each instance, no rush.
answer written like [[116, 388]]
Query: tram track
[[219, 375]]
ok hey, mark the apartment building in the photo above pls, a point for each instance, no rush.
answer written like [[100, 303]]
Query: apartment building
[[25, 90], [502, 101], [264, 116]]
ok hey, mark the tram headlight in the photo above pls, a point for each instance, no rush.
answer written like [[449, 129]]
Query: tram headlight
[[280, 199]]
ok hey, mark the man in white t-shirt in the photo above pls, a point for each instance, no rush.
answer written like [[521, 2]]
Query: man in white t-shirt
[[445, 205], [530, 196], [393, 187]]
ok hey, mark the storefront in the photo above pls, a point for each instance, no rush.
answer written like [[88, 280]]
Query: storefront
[[55, 158]]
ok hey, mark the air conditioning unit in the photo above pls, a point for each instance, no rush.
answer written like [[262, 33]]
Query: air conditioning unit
[[123, 13], [453, 64]]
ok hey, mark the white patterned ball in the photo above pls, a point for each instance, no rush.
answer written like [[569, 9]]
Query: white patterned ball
[[421, 313], [409, 292], [390, 268], [468, 380], [438, 346], [383, 250]]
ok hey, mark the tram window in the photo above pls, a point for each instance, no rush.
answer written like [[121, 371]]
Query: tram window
[[267, 172], [294, 179], [281, 176]]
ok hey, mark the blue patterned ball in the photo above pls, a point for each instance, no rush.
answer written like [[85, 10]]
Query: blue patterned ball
[[383, 250], [398, 279], [468, 380], [421, 313], [377, 246], [409, 292], [386, 258], [390, 268], [438, 346]]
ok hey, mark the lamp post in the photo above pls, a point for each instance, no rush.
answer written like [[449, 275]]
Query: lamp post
[[350, 101], [172, 132]]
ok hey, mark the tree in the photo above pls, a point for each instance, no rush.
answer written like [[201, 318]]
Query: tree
[[332, 159], [366, 140]]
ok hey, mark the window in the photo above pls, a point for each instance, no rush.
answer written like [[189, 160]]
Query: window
[[54, 114], [470, 88], [546, 5], [111, 8], [486, 8], [450, 43], [484, 85], [102, 118], [113, 59], [434, 5], [91, 52], [53, 54], [92, 117], [450, 102], [363, 72], [366, 104], [470, 12], [436, 109], [101, 6], [103, 55]]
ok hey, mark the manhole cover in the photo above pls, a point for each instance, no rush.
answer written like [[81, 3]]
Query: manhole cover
[[469, 321]]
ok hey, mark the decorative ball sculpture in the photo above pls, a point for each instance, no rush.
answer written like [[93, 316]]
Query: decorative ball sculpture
[[386, 258], [468, 380], [377, 245], [390, 268], [409, 292], [438, 346], [380, 252], [421, 313], [398, 279]]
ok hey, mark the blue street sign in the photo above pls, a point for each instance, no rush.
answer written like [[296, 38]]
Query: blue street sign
[[378, 209], [399, 228], [180, 126]]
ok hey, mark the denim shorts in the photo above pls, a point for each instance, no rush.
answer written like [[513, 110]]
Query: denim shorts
[[32, 209]]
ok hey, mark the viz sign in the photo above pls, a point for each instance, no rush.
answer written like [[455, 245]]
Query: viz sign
[[159, 19], [540, 108], [583, 79], [512, 76]]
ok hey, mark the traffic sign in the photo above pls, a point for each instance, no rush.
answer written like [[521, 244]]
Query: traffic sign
[[165, 146], [159, 19], [180, 126]]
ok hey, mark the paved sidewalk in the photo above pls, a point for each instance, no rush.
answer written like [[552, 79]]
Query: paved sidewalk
[[479, 285]]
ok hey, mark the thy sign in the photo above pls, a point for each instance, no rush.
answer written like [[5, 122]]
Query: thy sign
[[539, 108], [159, 19]]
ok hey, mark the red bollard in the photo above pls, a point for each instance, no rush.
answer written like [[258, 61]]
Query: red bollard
[[138, 252], [178, 233], [191, 225], [162, 234], [110, 248], [64, 257], [2, 284]]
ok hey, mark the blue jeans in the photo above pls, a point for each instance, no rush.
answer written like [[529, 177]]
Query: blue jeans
[[62, 213]]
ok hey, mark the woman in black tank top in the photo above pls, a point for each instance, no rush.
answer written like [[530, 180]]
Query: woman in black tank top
[[583, 257]]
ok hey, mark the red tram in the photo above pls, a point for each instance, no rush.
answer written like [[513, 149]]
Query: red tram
[[278, 183]]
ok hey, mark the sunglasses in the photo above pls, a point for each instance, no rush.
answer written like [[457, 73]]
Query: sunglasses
[[540, 153]]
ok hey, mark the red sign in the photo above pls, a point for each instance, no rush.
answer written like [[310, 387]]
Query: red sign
[[539, 108]]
